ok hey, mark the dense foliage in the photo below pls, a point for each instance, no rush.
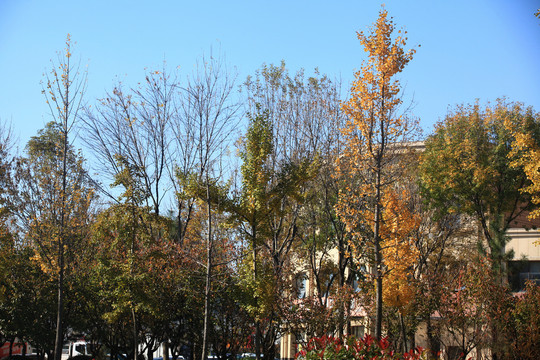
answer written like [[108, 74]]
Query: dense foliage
[[331, 215]]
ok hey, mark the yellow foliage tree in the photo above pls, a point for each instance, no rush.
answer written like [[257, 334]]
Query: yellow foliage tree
[[526, 153], [376, 137], [398, 250], [399, 253], [531, 166]]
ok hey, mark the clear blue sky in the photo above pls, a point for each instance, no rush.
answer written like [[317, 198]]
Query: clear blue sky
[[469, 48]]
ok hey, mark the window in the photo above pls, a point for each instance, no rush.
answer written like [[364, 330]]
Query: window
[[80, 348], [357, 331], [519, 272], [300, 285]]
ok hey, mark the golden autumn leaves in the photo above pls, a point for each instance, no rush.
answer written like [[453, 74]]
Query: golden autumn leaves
[[375, 91], [373, 204], [526, 155], [479, 151], [398, 250]]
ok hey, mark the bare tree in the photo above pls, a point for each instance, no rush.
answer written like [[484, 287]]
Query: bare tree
[[208, 117], [134, 127], [7, 142]]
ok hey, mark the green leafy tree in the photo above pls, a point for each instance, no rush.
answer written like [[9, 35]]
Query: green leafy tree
[[467, 169], [253, 208], [27, 296], [130, 239], [129, 242], [266, 210], [51, 199]]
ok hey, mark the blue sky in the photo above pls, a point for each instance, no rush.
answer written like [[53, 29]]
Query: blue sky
[[481, 49]]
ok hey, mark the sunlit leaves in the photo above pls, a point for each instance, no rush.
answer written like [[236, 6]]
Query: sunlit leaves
[[373, 106], [131, 251], [471, 165], [400, 254], [377, 140], [524, 125], [256, 152]]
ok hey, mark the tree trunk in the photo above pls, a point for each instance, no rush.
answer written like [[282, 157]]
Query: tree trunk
[[208, 273], [257, 339], [341, 269], [378, 258], [433, 339], [59, 340], [134, 317], [166, 350], [257, 322], [206, 314], [269, 348], [403, 332]]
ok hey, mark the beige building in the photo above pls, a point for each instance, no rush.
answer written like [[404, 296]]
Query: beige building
[[524, 241]]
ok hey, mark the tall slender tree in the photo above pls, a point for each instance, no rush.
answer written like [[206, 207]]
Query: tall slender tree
[[256, 176], [64, 89], [376, 135], [208, 115], [52, 201], [266, 210], [304, 115]]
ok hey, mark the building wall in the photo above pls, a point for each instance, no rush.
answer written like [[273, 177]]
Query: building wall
[[523, 243]]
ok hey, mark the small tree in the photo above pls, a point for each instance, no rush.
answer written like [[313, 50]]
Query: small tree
[[526, 315]]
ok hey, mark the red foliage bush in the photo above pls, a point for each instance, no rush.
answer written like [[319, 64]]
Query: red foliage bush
[[330, 348]]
